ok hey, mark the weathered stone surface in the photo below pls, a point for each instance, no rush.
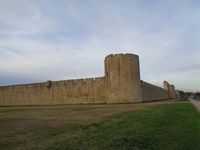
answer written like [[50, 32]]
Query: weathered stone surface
[[122, 76], [58, 92], [151, 92], [171, 90], [121, 84]]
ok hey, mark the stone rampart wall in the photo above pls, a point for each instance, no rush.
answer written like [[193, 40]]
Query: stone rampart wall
[[91, 90], [151, 92], [121, 84]]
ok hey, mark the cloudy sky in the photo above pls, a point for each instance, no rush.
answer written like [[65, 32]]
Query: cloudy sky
[[64, 39]]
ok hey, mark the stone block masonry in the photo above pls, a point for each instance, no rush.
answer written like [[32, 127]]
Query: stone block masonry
[[171, 90], [122, 75], [121, 84], [81, 91], [151, 92]]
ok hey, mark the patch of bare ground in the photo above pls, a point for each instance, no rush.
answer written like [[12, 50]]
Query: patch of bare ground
[[14, 119]]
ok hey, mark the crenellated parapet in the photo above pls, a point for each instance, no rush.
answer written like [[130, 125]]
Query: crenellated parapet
[[120, 84]]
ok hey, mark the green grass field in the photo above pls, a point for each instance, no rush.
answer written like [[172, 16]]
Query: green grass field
[[149, 126]]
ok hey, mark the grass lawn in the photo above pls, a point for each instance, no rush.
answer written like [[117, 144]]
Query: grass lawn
[[160, 125]]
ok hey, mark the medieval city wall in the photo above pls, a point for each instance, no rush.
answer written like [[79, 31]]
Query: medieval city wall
[[121, 84], [151, 92], [80, 91]]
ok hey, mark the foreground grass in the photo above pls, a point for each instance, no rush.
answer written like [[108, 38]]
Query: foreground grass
[[173, 126]]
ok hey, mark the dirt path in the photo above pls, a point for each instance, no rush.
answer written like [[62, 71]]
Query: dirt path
[[195, 103]]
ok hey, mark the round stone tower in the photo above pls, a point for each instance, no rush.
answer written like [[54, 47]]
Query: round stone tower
[[122, 77]]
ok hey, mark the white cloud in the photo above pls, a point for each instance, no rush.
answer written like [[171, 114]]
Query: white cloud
[[22, 18], [69, 39]]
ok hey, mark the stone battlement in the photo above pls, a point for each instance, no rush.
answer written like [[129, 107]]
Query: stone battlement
[[120, 55], [121, 84]]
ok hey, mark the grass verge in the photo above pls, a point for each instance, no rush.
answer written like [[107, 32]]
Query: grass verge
[[174, 126]]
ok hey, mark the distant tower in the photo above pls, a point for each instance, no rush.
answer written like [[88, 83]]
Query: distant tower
[[170, 89], [122, 77], [166, 85]]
